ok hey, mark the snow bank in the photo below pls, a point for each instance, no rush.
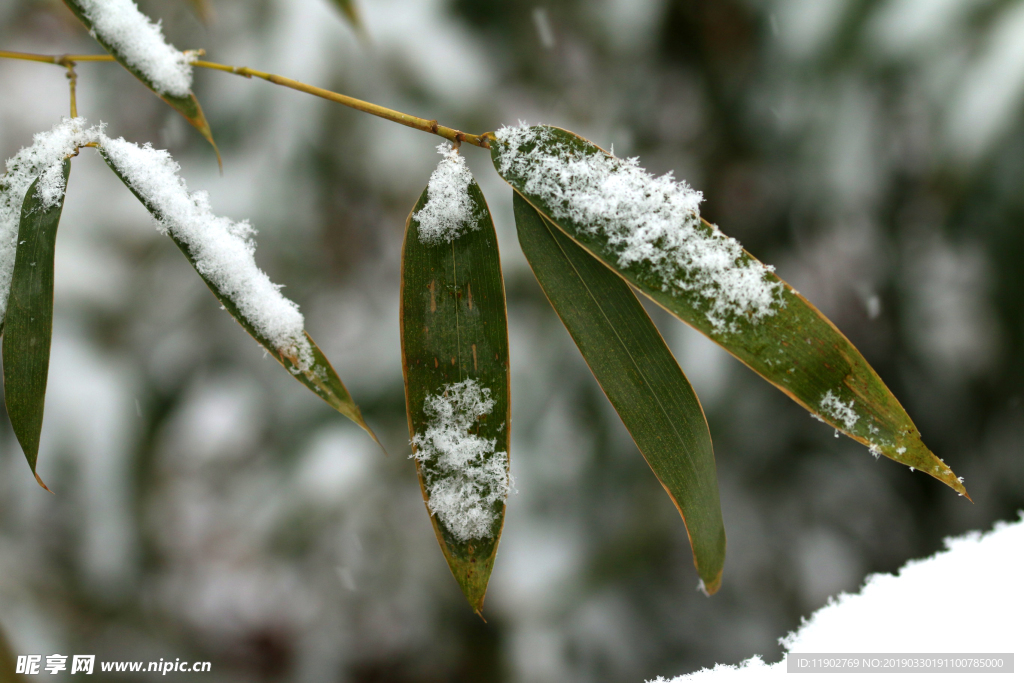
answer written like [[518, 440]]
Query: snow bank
[[222, 249], [464, 476], [140, 41], [448, 213], [966, 599], [43, 159], [645, 219]]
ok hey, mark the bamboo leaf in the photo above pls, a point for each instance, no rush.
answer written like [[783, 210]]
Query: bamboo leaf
[[455, 355], [186, 105], [638, 374], [319, 377], [351, 13], [791, 344], [29, 323]]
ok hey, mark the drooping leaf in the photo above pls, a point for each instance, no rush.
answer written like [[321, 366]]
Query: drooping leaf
[[638, 374], [350, 11], [319, 377], [29, 324], [455, 355], [186, 105], [784, 338]]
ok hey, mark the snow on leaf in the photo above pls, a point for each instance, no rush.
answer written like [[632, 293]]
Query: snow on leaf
[[140, 42], [448, 213], [465, 477], [42, 159], [839, 411], [645, 219], [221, 249]]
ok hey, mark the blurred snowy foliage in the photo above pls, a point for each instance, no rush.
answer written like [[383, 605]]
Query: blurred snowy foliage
[[207, 507]]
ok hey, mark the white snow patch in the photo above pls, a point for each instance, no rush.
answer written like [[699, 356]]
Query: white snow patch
[[839, 411], [141, 43], [464, 475], [646, 219], [222, 249], [448, 213], [43, 159], [914, 611]]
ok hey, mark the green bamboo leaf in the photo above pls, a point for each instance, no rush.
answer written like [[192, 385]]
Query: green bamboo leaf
[[29, 323], [7, 662], [639, 376], [351, 13], [455, 360], [186, 105], [705, 279], [319, 377]]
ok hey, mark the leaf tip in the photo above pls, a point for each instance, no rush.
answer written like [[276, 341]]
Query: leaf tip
[[711, 586], [220, 162], [373, 436], [40, 481]]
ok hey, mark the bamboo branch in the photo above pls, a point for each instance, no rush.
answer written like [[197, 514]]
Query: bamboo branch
[[425, 125], [72, 83]]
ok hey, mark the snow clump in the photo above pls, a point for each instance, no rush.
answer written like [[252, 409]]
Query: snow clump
[[43, 159], [448, 213], [463, 474], [135, 37], [839, 411], [645, 219], [222, 249]]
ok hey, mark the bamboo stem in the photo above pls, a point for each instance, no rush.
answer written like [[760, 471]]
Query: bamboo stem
[[425, 125], [72, 83]]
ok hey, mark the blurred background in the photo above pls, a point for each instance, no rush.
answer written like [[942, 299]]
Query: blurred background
[[208, 507]]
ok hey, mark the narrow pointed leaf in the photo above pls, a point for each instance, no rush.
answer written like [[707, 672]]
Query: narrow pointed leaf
[[186, 105], [350, 11], [455, 351], [787, 340], [638, 374], [29, 324], [320, 377]]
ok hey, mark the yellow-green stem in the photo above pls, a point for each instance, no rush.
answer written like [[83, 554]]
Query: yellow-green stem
[[425, 125], [72, 82]]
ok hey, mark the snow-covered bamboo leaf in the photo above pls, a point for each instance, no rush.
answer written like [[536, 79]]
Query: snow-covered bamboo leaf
[[350, 11], [29, 323], [638, 374], [649, 231], [222, 251], [138, 44], [43, 160], [455, 360]]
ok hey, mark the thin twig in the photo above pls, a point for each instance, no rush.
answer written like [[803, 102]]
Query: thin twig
[[72, 82], [425, 125]]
